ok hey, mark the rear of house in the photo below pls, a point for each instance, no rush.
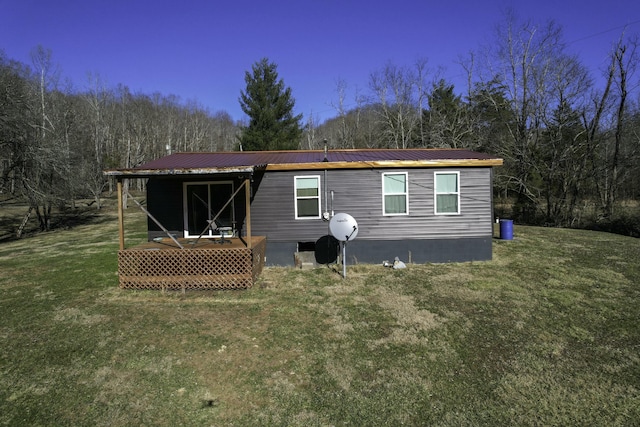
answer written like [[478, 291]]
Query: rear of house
[[420, 205]]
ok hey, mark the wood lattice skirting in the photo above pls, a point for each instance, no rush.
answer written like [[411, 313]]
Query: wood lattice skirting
[[194, 268]]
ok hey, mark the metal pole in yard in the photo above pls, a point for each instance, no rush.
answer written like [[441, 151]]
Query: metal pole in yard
[[344, 260]]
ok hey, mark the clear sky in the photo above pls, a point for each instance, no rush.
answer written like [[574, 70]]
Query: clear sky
[[200, 49]]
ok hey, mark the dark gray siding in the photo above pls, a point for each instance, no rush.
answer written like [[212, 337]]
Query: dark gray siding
[[359, 193]]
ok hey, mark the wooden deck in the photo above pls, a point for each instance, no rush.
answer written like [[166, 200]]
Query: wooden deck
[[202, 265]]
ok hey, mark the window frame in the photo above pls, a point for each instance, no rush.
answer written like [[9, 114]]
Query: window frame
[[296, 198], [436, 193], [210, 233], [405, 194]]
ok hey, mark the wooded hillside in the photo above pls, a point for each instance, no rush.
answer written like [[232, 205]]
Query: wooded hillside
[[570, 137]]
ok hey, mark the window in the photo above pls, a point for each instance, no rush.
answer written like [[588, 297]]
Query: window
[[202, 202], [395, 194], [307, 197], [447, 193]]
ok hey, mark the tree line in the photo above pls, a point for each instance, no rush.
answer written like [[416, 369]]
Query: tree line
[[56, 142], [570, 137]]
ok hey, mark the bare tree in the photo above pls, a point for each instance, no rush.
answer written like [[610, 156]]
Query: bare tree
[[98, 100], [224, 133], [421, 74], [15, 123], [310, 131], [345, 134], [44, 172], [395, 96], [607, 126], [562, 148], [523, 61]]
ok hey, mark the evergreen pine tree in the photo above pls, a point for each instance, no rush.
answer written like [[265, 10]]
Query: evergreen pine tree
[[269, 105]]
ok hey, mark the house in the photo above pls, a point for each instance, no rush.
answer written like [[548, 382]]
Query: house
[[422, 205]]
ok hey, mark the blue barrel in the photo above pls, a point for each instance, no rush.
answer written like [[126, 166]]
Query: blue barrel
[[506, 229]]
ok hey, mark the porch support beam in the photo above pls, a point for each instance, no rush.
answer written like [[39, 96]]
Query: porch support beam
[[120, 215], [247, 198]]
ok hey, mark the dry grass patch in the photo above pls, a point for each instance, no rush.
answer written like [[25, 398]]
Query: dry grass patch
[[412, 323], [79, 317]]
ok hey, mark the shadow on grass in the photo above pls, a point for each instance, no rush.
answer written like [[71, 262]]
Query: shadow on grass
[[63, 220]]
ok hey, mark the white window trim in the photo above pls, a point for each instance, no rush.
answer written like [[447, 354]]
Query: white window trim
[[435, 193], [185, 209], [406, 194], [296, 198]]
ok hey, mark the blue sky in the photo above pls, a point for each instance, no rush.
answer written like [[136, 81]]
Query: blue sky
[[199, 50]]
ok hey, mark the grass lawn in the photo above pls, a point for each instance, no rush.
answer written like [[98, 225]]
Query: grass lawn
[[545, 334]]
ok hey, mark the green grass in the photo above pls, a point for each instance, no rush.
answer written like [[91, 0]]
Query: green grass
[[545, 334]]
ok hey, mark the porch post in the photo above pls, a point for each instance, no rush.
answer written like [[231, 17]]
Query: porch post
[[247, 219], [120, 215]]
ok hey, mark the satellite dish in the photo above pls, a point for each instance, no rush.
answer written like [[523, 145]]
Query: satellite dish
[[343, 227]]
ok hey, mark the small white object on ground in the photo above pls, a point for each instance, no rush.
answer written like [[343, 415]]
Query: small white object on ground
[[398, 264]]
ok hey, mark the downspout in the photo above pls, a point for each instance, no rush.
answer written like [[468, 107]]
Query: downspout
[[493, 213], [332, 203], [326, 189]]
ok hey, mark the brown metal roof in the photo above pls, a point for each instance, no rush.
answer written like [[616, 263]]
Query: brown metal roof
[[247, 161]]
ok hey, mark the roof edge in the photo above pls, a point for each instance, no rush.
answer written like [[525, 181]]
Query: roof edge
[[142, 173], [386, 164]]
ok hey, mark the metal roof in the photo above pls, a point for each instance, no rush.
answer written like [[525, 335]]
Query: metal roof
[[242, 162]]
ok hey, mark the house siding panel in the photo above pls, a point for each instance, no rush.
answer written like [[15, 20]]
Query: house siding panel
[[359, 193]]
